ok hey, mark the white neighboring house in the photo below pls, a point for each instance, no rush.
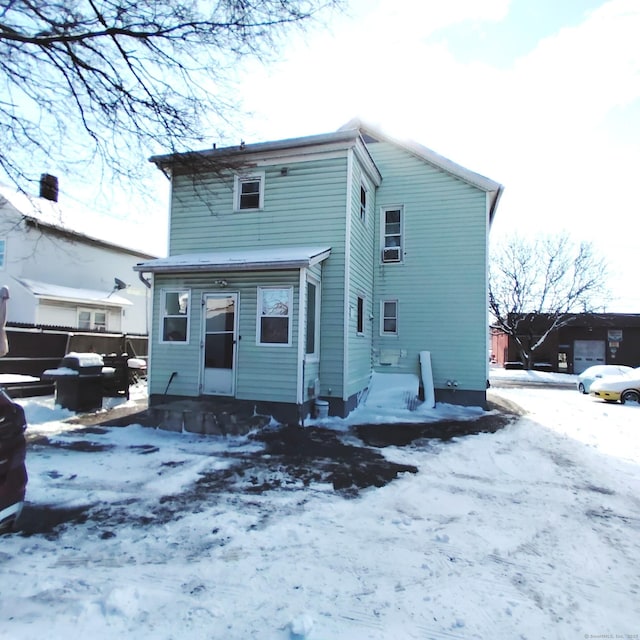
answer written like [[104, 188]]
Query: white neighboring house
[[60, 277]]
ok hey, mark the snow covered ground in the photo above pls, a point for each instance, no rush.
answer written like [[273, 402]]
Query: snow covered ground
[[529, 532]]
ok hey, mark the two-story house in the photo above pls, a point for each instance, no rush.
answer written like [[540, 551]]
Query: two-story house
[[298, 267], [58, 276]]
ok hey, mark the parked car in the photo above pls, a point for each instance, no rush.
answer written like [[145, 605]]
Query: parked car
[[590, 375], [13, 473], [625, 388]]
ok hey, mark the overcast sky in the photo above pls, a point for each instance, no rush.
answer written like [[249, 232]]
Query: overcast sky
[[542, 96]]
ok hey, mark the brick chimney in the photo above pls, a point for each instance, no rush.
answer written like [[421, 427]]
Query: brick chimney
[[49, 187]]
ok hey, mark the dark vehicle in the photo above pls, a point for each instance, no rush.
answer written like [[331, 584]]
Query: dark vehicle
[[13, 473]]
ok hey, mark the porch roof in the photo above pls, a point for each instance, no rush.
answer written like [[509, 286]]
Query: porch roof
[[238, 260], [60, 293]]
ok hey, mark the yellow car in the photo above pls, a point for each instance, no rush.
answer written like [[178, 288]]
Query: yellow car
[[623, 388]]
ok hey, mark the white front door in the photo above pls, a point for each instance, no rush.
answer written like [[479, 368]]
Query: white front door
[[219, 343]]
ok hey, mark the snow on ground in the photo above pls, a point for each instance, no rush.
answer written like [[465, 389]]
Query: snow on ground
[[529, 532]]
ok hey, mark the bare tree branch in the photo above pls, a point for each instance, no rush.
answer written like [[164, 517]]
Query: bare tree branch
[[536, 287], [114, 81]]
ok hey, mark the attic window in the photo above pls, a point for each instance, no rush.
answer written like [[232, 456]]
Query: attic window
[[249, 192]]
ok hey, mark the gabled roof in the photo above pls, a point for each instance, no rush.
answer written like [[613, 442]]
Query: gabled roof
[[58, 292], [355, 134], [40, 213], [235, 157], [238, 260], [372, 134]]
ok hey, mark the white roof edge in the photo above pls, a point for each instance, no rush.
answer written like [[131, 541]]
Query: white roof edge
[[344, 136], [249, 260], [428, 155]]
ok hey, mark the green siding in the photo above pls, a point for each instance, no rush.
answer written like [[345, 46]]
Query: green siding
[[306, 207], [263, 372], [361, 272], [441, 283]]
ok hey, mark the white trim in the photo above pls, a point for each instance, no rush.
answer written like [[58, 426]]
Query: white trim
[[238, 180], [162, 315], [289, 342], [203, 338], [363, 297], [347, 276], [302, 297], [388, 334], [383, 211]]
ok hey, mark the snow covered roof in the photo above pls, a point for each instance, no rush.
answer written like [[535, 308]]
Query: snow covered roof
[[46, 214], [434, 159], [73, 294], [238, 260]]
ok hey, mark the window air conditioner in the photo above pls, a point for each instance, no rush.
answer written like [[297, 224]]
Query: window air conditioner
[[391, 255]]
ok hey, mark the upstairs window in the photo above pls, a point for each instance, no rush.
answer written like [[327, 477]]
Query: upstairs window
[[175, 316], [249, 192], [274, 316], [363, 203], [392, 234], [360, 317]]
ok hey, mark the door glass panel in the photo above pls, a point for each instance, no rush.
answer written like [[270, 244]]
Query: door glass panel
[[218, 352], [220, 314]]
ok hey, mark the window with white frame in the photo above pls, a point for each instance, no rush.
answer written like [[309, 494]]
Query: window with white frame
[[389, 318], [363, 202], [392, 234], [360, 317], [175, 315], [274, 315], [92, 319], [3, 252], [313, 320], [249, 192]]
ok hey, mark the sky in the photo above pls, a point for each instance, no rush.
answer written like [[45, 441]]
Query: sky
[[528, 532], [540, 96], [543, 97]]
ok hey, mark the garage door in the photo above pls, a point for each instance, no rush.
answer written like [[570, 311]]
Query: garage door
[[586, 353]]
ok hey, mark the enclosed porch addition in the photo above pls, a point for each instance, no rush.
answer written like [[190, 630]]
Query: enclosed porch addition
[[237, 329]]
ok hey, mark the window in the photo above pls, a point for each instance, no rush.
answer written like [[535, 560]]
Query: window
[[392, 234], [175, 316], [389, 318], [3, 251], [363, 203], [249, 192], [360, 318], [313, 320], [274, 316], [92, 319]]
